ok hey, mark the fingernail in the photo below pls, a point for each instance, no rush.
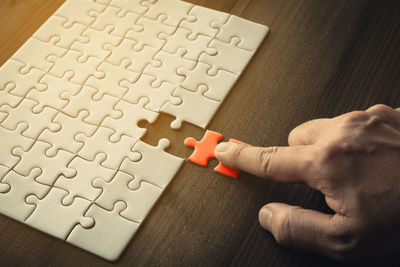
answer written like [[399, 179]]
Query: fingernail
[[265, 217], [222, 147]]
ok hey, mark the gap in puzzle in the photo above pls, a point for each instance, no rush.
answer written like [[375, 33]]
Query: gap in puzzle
[[72, 163]]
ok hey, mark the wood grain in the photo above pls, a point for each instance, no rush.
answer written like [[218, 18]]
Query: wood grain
[[321, 58]]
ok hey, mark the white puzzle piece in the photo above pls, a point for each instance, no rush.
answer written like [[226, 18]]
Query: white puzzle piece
[[250, 34], [98, 109], [34, 54], [155, 165], [120, 25], [193, 48], [171, 12], [23, 113], [93, 43], [7, 98], [10, 139], [111, 83], [80, 185], [72, 163], [70, 63], [218, 85], [127, 123], [78, 11], [54, 28], [109, 227], [69, 127], [157, 96], [3, 171], [10, 72], [195, 108], [126, 54], [115, 151], [53, 217], [51, 167], [150, 32], [139, 200], [17, 188], [204, 21], [49, 96], [229, 57], [164, 67], [125, 6]]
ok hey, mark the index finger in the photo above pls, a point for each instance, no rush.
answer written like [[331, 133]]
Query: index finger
[[283, 164]]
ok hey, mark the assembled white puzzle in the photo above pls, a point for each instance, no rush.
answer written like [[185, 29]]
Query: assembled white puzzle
[[72, 163]]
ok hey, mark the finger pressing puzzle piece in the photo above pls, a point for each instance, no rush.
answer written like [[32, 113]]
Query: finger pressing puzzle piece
[[205, 149], [223, 169]]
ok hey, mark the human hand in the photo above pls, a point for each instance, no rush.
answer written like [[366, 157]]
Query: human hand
[[354, 160]]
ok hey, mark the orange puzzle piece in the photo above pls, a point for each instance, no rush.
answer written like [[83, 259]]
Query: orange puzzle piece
[[204, 150]]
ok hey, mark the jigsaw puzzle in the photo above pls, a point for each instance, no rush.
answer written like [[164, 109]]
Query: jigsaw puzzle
[[72, 163]]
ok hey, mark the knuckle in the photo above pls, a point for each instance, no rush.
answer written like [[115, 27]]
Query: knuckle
[[284, 233], [334, 158], [359, 121], [344, 242], [374, 120], [379, 108], [355, 117], [350, 137], [302, 129], [293, 136], [329, 151], [294, 130], [344, 251], [264, 158]]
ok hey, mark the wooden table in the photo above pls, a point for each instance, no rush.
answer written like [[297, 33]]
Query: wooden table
[[321, 59]]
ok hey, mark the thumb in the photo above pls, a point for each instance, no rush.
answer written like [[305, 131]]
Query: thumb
[[305, 229]]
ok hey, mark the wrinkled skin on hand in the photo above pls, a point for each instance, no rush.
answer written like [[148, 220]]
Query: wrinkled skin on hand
[[354, 160]]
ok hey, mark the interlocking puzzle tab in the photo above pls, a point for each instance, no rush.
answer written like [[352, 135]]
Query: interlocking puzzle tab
[[72, 162], [205, 149]]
